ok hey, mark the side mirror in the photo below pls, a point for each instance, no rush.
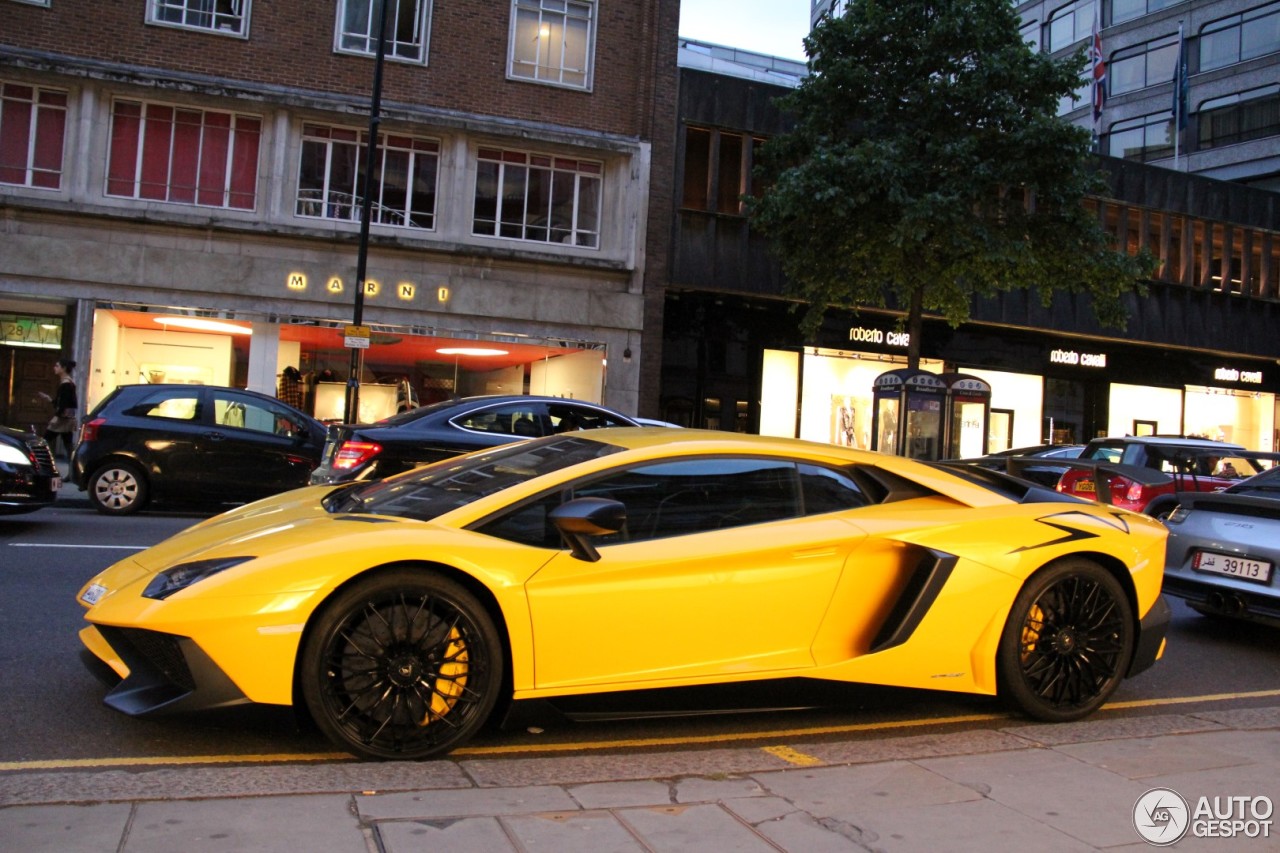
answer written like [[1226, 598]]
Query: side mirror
[[580, 519]]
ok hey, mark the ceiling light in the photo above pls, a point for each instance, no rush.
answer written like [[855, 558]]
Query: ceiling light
[[481, 351], [200, 324]]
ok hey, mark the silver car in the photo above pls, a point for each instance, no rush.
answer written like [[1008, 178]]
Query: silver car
[[1224, 548]]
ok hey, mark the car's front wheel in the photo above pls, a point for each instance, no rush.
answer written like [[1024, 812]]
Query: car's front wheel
[[1067, 643], [118, 488], [404, 664]]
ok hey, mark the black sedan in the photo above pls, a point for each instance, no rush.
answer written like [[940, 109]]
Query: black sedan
[[419, 436], [192, 444], [28, 477]]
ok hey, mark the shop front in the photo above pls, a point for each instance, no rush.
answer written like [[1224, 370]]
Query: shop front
[[400, 366]]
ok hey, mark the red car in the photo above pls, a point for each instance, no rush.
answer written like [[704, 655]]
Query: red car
[[1147, 473]]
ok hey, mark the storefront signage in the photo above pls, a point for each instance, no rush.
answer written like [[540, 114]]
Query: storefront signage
[[334, 286], [297, 281], [37, 332], [406, 291], [1078, 359], [863, 335], [1230, 374]]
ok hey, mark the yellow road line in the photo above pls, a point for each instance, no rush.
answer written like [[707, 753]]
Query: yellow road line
[[793, 756], [731, 737]]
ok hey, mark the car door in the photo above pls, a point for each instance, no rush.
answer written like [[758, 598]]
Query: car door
[[160, 427], [717, 571], [252, 447]]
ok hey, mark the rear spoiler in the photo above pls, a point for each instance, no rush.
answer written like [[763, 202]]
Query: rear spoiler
[[1100, 468]]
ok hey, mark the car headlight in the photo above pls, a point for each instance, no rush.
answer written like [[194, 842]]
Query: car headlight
[[178, 578], [11, 455], [1180, 514]]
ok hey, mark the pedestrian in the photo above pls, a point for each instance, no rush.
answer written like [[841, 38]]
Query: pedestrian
[[289, 388], [65, 403]]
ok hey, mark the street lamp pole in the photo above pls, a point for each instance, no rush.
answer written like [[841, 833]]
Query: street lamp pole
[[351, 414]]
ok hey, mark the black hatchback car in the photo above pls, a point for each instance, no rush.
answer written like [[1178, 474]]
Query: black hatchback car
[[29, 479], [192, 444], [440, 430]]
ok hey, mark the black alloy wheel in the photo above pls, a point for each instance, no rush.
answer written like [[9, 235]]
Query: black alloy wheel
[[1067, 643], [402, 665]]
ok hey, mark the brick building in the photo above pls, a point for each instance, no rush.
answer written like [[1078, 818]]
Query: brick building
[[168, 163]]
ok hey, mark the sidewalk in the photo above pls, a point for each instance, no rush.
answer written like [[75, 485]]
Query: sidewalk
[[1069, 787]]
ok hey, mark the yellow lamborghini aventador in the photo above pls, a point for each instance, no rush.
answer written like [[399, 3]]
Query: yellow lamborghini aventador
[[399, 612]]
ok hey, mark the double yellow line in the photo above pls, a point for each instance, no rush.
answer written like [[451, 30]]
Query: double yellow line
[[788, 754]]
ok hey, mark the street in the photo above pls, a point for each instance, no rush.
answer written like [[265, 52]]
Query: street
[[55, 716]]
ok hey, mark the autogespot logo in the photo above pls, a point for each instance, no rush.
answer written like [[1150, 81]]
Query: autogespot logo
[[1161, 816]]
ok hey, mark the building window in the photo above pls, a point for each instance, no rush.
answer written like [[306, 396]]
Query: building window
[[717, 170], [220, 16], [1239, 118], [1236, 38], [331, 178], [1127, 10], [1144, 138], [1081, 97], [1068, 25], [408, 23], [1143, 65], [537, 197], [552, 41], [181, 155], [33, 125]]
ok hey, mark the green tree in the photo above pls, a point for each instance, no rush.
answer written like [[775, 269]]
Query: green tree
[[927, 166]]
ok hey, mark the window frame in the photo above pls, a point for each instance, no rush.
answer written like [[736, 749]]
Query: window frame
[[185, 9], [1211, 33], [148, 135], [44, 120], [1162, 118], [423, 11], [1143, 52], [1238, 105], [540, 9], [405, 145], [507, 160]]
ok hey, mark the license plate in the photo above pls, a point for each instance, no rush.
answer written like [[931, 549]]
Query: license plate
[[1085, 486], [93, 593], [55, 484], [1236, 567]]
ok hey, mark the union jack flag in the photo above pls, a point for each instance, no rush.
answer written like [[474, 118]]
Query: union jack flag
[[1099, 62]]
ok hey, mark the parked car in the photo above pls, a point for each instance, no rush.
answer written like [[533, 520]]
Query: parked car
[[440, 430], [1224, 548], [1189, 465], [29, 478], [401, 612], [192, 443], [1030, 463]]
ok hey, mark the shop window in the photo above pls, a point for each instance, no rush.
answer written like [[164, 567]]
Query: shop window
[[1000, 430], [181, 155], [33, 126], [230, 17], [408, 23], [538, 197], [1236, 38], [331, 177], [552, 41], [1238, 118]]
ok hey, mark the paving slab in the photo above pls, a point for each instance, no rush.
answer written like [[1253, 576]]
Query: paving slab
[[68, 829], [317, 824]]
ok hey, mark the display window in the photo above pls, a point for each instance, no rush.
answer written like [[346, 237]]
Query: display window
[[1134, 408], [399, 368], [1225, 414], [1017, 409]]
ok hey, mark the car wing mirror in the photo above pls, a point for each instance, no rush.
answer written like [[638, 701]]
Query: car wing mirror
[[582, 518]]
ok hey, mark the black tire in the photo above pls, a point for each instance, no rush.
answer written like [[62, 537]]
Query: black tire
[[118, 488], [1067, 643], [402, 665]]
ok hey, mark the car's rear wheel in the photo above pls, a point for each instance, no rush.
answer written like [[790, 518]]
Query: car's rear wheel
[[118, 488], [1067, 643], [404, 664]]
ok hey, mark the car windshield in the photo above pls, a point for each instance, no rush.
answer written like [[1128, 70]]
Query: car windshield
[[1267, 481], [429, 492]]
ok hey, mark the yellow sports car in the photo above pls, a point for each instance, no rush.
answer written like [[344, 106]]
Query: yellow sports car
[[399, 612]]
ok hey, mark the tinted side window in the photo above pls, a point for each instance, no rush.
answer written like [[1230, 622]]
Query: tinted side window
[[670, 499], [167, 403], [830, 490], [512, 419], [233, 410], [566, 417]]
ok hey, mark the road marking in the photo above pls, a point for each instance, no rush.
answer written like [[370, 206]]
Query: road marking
[[80, 763], [793, 756], [91, 547]]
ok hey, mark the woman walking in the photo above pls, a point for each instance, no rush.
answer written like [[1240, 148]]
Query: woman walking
[[65, 403]]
